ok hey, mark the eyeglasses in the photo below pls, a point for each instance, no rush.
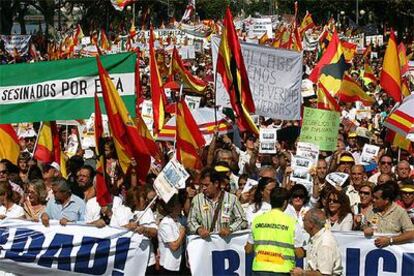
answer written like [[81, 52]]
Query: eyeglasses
[[3, 172], [385, 163], [331, 200], [407, 194], [364, 193]]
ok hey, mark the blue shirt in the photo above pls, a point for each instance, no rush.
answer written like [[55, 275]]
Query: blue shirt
[[74, 209]]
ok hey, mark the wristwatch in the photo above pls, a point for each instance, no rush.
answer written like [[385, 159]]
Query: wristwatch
[[391, 241]]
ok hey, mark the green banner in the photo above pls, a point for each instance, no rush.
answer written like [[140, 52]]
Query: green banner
[[320, 127], [61, 90]]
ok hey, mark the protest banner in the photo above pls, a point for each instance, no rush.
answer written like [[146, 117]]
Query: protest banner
[[368, 154], [320, 127], [226, 256], [29, 248], [61, 90], [275, 77]]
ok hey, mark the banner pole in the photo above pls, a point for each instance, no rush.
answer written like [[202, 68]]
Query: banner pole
[[147, 208]]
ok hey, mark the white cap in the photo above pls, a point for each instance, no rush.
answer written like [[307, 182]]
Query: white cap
[[55, 166]]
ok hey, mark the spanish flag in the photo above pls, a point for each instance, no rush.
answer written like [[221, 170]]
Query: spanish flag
[[193, 83], [349, 50], [367, 52], [230, 65], [397, 140], [402, 57], [105, 43], [369, 73], [156, 87], [78, 35], [147, 137], [307, 23], [9, 143], [189, 138], [325, 99], [128, 142], [390, 78], [350, 91], [48, 148], [400, 122], [263, 39], [103, 196]]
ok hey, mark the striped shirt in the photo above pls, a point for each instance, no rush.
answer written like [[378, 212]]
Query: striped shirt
[[231, 214]]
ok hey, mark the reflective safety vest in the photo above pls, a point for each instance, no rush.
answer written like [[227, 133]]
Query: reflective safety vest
[[274, 241]]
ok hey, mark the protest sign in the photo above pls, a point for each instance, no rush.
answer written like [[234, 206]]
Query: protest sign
[[320, 127], [337, 179], [308, 150], [368, 154], [29, 248], [147, 114], [226, 256], [63, 89], [193, 102], [268, 140], [301, 166], [170, 179], [275, 77]]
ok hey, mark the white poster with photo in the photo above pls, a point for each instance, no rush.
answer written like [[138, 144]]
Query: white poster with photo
[[368, 153], [337, 179], [268, 139], [147, 114], [308, 150], [301, 166], [193, 102], [170, 179]]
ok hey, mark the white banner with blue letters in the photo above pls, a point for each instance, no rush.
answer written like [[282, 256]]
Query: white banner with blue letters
[[29, 248], [218, 256]]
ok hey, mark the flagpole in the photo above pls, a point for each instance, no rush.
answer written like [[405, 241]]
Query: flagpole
[[215, 94], [399, 154], [176, 111], [147, 208], [34, 147]]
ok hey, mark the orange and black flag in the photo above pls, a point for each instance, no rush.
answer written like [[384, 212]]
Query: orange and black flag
[[230, 65], [390, 78], [189, 138], [9, 143], [157, 91], [103, 196], [325, 99], [193, 83], [128, 143]]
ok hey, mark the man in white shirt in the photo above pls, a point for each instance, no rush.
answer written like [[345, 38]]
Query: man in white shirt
[[323, 256]]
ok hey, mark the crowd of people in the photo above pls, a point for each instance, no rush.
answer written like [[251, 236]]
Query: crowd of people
[[236, 189]]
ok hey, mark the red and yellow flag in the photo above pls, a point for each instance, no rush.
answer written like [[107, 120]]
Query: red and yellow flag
[[398, 140], [369, 73], [349, 50], [367, 52], [9, 143], [263, 39], [128, 142], [325, 99], [78, 35], [307, 23], [156, 87], [193, 83], [390, 78], [189, 138], [105, 44], [147, 137], [103, 196], [48, 138], [230, 65], [402, 57], [350, 91]]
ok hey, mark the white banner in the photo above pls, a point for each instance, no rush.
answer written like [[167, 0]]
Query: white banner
[[29, 248], [275, 77], [217, 256]]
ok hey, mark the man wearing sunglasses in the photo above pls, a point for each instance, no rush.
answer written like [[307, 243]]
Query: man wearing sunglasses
[[407, 197], [385, 167]]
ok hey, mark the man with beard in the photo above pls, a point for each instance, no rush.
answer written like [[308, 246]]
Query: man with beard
[[83, 187], [64, 206]]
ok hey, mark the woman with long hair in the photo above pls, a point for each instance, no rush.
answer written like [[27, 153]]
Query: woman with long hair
[[35, 200], [338, 211], [261, 200], [8, 208]]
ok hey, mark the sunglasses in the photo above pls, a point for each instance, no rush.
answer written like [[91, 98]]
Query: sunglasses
[[364, 193], [331, 200], [385, 163], [407, 194]]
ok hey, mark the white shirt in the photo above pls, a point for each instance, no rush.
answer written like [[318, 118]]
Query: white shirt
[[16, 211], [290, 210], [353, 196], [374, 178], [123, 214], [324, 254], [169, 231], [250, 214], [345, 225], [93, 210]]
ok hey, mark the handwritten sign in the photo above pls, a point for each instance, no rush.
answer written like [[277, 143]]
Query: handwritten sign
[[320, 127]]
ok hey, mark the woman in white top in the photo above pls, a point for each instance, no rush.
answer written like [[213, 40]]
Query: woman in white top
[[171, 236], [261, 201], [8, 208], [131, 215], [338, 211]]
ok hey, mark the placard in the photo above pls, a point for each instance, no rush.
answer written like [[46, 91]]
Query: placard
[[268, 139], [368, 153]]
